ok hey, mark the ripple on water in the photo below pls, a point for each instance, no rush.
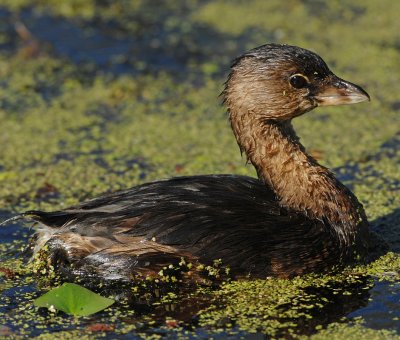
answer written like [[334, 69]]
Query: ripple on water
[[383, 309]]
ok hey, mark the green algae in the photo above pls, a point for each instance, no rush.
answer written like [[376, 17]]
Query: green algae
[[69, 133], [337, 331]]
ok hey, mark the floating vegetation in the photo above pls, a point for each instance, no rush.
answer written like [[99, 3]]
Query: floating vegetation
[[73, 299], [105, 96]]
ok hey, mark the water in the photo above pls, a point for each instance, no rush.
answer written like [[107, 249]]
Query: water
[[382, 310], [164, 45]]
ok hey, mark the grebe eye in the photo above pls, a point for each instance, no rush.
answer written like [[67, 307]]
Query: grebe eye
[[298, 81]]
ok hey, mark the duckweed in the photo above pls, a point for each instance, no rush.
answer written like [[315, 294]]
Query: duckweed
[[71, 131]]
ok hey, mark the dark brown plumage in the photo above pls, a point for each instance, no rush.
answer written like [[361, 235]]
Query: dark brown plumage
[[296, 218]]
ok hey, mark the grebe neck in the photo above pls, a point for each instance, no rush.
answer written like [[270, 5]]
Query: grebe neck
[[299, 182]]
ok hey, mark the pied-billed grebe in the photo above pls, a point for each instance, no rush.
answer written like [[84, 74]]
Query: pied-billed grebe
[[295, 218]]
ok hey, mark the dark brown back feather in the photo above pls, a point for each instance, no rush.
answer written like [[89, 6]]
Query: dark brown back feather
[[234, 218]]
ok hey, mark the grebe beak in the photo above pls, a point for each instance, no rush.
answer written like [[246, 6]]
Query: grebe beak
[[340, 92]]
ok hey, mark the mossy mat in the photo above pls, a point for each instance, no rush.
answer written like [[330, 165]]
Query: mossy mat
[[97, 96]]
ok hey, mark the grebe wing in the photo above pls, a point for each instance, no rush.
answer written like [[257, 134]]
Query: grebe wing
[[235, 218], [154, 207]]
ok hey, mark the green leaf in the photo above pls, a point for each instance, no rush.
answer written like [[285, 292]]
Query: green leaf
[[73, 299]]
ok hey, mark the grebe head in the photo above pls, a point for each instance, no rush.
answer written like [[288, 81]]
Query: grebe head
[[279, 82]]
